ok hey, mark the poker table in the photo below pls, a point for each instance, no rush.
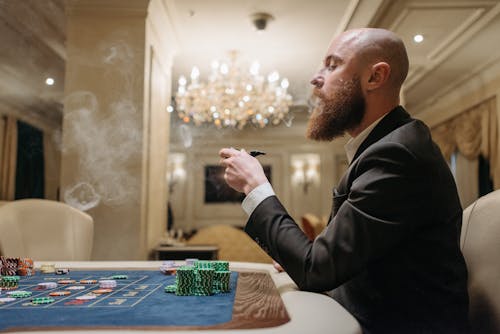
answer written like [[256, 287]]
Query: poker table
[[261, 301]]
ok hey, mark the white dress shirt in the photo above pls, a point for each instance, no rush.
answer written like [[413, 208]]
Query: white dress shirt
[[260, 193]]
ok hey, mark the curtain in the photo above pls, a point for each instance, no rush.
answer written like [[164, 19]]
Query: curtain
[[472, 133], [466, 177], [30, 175], [8, 157]]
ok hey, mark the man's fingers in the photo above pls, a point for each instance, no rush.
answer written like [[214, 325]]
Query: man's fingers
[[228, 152]]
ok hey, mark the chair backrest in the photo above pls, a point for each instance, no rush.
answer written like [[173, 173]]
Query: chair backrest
[[45, 230], [234, 244], [480, 243], [312, 225]]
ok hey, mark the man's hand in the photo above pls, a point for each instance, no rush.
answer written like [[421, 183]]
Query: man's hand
[[278, 267], [243, 172]]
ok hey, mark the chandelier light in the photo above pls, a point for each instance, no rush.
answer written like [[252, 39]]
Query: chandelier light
[[233, 96]]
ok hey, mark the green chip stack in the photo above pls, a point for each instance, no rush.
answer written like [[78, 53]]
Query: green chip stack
[[204, 265], [185, 281], [221, 265], [221, 281], [203, 279], [42, 300], [9, 282], [20, 294]]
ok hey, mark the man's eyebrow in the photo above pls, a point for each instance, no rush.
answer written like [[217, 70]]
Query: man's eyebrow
[[334, 58]]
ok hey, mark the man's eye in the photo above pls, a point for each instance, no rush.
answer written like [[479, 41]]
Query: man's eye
[[331, 67]]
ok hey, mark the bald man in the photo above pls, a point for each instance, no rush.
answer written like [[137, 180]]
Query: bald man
[[390, 253]]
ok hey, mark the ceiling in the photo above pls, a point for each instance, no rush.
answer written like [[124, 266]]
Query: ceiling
[[460, 39]]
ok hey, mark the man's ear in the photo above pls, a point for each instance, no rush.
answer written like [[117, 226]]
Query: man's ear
[[379, 75]]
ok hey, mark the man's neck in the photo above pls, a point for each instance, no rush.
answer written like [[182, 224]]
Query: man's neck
[[371, 115]]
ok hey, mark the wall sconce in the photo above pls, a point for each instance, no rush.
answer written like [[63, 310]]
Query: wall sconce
[[175, 170], [305, 170]]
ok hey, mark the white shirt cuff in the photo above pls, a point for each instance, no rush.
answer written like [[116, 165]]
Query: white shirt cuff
[[256, 196]]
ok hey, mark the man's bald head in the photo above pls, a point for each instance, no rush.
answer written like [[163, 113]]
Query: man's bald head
[[370, 45]]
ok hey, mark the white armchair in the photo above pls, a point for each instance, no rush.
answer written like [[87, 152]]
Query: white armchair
[[480, 243], [45, 230]]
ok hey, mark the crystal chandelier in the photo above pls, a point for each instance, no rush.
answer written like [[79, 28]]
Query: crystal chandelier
[[233, 97]]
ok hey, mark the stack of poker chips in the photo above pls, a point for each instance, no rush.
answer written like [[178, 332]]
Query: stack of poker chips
[[9, 282], [168, 267], [203, 279], [9, 266], [47, 285], [62, 271], [19, 294], [107, 284], [221, 281], [26, 267], [204, 282], [185, 281]]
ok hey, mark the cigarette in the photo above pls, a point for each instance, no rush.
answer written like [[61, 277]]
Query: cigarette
[[256, 153]]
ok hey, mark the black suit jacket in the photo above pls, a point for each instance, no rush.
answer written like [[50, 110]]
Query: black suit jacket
[[390, 253]]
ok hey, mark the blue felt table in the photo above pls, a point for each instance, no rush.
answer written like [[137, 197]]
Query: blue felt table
[[138, 301]]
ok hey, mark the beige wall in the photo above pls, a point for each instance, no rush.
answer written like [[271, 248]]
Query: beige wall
[[115, 128], [160, 48]]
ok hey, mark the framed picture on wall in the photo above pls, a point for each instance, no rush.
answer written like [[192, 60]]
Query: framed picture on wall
[[212, 202], [216, 189]]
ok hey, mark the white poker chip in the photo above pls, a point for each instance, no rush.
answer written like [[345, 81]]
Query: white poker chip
[[168, 263], [191, 262], [47, 285], [86, 297], [15, 292], [76, 287], [7, 299]]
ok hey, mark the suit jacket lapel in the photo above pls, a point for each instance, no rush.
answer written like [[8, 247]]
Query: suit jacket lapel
[[394, 119]]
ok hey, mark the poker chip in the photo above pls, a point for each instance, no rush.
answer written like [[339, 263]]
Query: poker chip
[[48, 268], [42, 300], [102, 291], [25, 267], [191, 262], [47, 285], [168, 270], [171, 288], [9, 282], [9, 266], [168, 267], [75, 287], [7, 299], [119, 277], [88, 281], [59, 293], [107, 284], [62, 271], [86, 297], [168, 263], [19, 294]]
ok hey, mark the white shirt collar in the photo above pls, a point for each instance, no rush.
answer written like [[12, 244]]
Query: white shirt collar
[[353, 144]]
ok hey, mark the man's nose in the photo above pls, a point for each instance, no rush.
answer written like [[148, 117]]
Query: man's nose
[[317, 81]]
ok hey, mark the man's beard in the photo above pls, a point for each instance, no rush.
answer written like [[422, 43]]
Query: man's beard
[[338, 114]]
